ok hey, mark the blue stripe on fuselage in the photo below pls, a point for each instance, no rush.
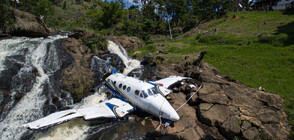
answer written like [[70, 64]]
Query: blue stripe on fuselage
[[115, 92], [124, 97]]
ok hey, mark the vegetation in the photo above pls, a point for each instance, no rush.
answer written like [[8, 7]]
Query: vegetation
[[256, 49], [96, 43]]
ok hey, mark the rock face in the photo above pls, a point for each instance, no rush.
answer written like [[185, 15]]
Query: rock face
[[236, 110], [78, 77], [18, 23], [127, 42], [223, 107]]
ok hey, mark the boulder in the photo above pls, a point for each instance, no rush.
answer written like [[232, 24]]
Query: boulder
[[77, 78], [251, 133], [19, 23]]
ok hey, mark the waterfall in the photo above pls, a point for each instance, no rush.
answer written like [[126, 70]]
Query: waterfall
[[75, 129], [78, 128], [23, 55], [130, 64], [27, 70]]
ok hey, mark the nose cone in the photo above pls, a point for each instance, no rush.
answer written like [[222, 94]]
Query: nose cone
[[174, 116], [169, 112]]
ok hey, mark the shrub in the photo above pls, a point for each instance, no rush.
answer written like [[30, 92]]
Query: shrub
[[276, 40], [96, 43]]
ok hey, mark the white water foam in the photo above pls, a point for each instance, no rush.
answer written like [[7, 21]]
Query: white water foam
[[30, 106], [120, 51], [75, 129]]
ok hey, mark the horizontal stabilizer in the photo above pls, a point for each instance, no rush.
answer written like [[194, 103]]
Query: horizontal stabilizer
[[101, 110]]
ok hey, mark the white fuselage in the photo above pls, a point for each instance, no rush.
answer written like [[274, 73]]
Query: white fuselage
[[141, 95]]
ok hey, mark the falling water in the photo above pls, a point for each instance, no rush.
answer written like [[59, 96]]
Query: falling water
[[75, 129], [30, 107], [131, 64], [78, 128], [41, 55]]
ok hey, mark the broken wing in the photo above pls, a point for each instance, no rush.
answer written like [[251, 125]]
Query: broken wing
[[113, 108]]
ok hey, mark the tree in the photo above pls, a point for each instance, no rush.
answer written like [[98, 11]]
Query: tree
[[109, 15]]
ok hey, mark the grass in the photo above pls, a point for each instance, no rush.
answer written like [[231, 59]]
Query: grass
[[257, 49]]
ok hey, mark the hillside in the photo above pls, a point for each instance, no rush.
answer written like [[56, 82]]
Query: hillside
[[255, 48]]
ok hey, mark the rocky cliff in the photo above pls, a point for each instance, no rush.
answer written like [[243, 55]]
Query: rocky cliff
[[224, 108]]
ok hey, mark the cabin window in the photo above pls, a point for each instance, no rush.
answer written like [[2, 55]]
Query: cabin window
[[108, 80], [124, 87], [137, 92], [114, 82], [120, 85], [128, 89]]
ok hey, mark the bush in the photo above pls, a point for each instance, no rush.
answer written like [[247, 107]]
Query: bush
[[96, 43], [276, 40], [6, 18]]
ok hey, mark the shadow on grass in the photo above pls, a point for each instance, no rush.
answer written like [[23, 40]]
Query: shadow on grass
[[289, 11], [289, 30]]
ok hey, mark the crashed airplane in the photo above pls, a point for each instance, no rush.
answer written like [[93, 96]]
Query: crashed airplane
[[129, 94]]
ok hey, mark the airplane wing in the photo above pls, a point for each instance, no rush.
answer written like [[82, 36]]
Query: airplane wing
[[165, 83], [169, 81], [113, 108]]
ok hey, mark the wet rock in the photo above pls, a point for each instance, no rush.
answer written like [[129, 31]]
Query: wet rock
[[115, 61], [147, 60], [12, 64]]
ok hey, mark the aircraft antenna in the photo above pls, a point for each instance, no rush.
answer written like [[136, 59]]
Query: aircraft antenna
[[189, 98]]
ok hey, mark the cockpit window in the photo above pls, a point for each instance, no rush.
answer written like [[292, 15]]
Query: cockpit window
[[145, 94], [108, 80], [155, 90], [150, 92]]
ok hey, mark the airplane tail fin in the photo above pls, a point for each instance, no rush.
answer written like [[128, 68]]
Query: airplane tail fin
[[114, 71]]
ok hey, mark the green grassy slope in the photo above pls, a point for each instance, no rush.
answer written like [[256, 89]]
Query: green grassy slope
[[256, 49]]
